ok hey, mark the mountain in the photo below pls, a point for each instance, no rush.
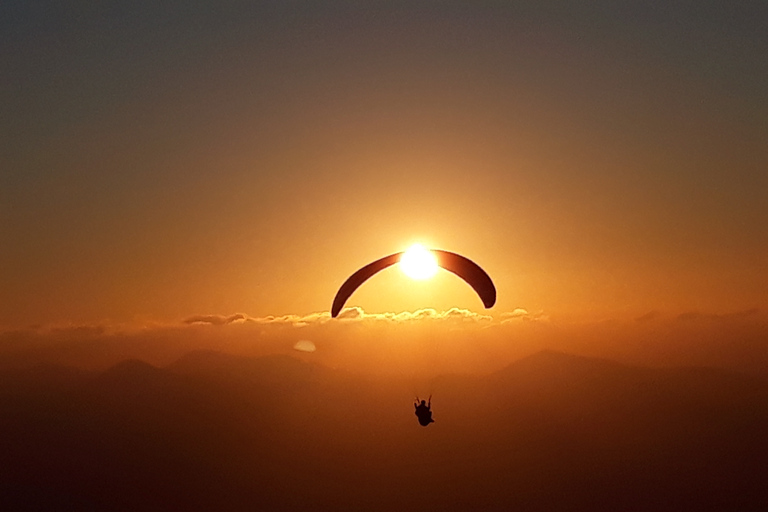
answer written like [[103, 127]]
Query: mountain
[[214, 431]]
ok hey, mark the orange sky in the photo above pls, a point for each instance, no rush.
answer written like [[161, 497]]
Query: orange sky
[[598, 165]]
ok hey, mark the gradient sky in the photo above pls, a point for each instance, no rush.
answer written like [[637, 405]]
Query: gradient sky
[[164, 160]]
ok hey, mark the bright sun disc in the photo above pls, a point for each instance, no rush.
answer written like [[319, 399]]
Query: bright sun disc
[[419, 263]]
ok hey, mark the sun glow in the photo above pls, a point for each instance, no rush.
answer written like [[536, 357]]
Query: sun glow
[[419, 263]]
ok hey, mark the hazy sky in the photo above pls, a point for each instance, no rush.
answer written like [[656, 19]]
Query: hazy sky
[[162, 160]]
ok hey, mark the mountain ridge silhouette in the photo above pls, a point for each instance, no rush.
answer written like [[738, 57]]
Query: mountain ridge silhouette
[[231, 432]]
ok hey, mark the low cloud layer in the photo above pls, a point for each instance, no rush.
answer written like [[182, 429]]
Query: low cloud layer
[[216, 319], [349, 314], [423, 341]]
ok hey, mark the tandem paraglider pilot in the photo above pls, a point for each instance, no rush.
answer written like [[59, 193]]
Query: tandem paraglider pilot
[[424, 411]]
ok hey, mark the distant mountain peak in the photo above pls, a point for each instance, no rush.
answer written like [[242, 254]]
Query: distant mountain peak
[[132, 367], [551, 358]]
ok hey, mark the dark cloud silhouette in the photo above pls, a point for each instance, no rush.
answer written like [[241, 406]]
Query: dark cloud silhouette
[[79, 331], [695, 315], [651, 315]]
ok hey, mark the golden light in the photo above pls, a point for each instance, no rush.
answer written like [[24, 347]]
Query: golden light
[[419, 263]]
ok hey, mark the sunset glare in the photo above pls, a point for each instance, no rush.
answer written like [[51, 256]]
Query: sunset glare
[[419, 263]]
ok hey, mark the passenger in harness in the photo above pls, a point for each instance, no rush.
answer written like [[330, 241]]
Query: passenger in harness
[[424, 411]]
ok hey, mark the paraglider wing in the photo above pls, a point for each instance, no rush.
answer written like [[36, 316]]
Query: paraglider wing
[[358, 278], [470, 272], [463, 267]]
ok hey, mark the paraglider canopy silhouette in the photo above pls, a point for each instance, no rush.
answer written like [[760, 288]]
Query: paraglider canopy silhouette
[[463, 267]]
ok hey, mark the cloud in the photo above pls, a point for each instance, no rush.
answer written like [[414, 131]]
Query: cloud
[[353, 313], [522, 314], [217, 319], [357, 314], [426, 314], [78, 331], [295, 320], [517, 313], [651, 315], [459, 339], [465, 315]]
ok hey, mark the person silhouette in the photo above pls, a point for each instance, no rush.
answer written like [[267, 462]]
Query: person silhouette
[[424, 411]]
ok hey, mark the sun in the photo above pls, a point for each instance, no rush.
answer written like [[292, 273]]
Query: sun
[[418, 262]]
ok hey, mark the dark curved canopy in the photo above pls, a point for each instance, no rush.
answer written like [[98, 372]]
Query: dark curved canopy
[[463, 267]]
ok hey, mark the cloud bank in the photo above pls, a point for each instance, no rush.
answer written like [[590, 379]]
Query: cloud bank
[[422, 341], [216, 319]]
